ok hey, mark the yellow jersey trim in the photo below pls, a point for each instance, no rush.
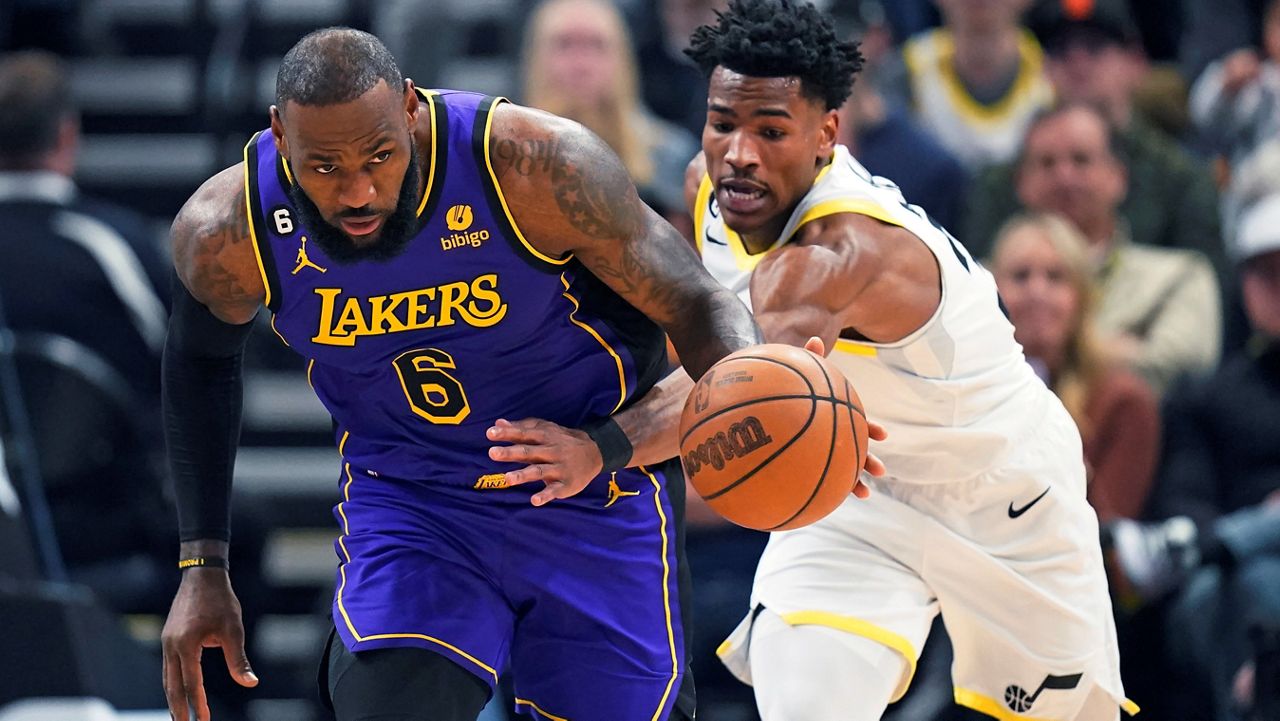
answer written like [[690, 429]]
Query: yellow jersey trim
[[346, 617], [853, 347], [1130, 707], [866, 629], [1030, 67], [538, 709], [342, 444], [253, 234], [431, 171], [288, 174], [857, 206], [989, 706], [311, 363], [700, 210], [497, 188], [617, 359], [666, 591], [282, 340]]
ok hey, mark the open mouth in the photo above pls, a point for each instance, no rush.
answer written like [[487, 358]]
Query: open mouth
[[741, 197], [361, 225]]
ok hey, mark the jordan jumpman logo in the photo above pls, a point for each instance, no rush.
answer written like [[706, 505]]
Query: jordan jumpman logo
[[304, 261], [616, 492]]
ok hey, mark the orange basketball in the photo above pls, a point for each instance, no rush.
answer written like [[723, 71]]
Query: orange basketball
[[773, 437]]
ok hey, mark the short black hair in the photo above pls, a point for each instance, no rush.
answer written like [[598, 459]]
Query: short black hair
[[35, 97], [780, 38], [334, 65]]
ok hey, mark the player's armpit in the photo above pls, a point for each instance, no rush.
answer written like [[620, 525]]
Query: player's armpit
[[576, 197], [213, 248]]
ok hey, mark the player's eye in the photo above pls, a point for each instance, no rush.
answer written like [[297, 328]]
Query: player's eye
[[325, 169], [721, 127], [381, 157], [773, 134]]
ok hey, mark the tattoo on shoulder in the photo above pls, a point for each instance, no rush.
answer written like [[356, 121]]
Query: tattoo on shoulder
[[213, 262], [525, 157], [595, 194]]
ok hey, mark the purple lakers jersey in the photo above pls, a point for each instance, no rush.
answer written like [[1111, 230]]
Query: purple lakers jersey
[[416, 356]]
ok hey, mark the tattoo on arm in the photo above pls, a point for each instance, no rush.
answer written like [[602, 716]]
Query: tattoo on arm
[[526, 157]]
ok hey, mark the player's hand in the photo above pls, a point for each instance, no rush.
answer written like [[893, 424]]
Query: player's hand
[[565, 459], [875, 431], [205, 614]]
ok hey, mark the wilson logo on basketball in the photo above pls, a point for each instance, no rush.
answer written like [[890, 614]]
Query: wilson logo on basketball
[[742, 438]]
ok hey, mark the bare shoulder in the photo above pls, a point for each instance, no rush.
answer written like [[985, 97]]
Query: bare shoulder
[[693, 174], [566, 187], [213, 248]]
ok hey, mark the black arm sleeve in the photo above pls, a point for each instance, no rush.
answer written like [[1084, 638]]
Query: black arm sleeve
[[202, 395]]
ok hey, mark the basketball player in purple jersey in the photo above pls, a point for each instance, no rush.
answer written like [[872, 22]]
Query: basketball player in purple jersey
[[446, 262]]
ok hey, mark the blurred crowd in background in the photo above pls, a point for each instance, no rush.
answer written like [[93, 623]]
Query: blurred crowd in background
[[1116, 165]]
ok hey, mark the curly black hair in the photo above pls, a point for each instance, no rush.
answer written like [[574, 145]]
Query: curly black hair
[[780, 38]]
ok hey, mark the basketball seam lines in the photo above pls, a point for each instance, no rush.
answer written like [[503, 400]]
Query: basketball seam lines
[[831, 448], [813, 411]]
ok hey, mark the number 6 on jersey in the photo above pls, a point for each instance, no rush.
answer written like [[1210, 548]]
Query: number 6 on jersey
[[432, 393]]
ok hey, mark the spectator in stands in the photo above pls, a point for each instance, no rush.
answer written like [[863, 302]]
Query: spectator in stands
[[579, 64], [672, 85], [1215, 28], [976, 82], [1236, 101], [885, 138], [1159, 310], [1046, 281], [1219, 490], [1093, 57]]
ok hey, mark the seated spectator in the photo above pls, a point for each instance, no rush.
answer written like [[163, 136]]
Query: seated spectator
[[889, 142], [1236, 101], [1159, 310], [1045, 280], [1093, 56], [976, 82], [673, 86], [1219, 490], [579, 64]]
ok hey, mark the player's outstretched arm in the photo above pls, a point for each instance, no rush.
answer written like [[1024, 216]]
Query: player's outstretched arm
[[217, 291]]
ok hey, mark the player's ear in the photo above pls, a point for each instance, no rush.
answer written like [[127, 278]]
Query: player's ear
[[828, 132], [277, 132], [410, 103]]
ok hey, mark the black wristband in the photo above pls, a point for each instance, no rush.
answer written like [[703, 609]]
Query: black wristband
[[615, 448], [203, 562]]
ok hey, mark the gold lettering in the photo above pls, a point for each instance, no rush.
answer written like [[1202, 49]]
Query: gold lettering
[[380, 313], [484, 289], [351, 316], [416, 309], [325, 336], [451, 297]]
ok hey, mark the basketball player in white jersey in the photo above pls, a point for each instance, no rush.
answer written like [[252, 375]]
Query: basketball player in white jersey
[[982, 514]]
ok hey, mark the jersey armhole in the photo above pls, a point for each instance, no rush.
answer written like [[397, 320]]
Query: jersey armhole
[[493, 189], [258, 236]]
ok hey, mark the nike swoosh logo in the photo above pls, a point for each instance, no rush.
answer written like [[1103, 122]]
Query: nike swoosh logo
[[1015, 512], [711, 240]]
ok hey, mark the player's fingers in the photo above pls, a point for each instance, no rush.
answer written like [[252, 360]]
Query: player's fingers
[[553, 491], [861, 490], [876, 432], [874, 465], [816, 346], [237, 660], [173, 691], [193, 684], [519, 432], [533, 472]]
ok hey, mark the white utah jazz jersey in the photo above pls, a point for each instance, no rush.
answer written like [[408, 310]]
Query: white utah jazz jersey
[[955, 395]]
